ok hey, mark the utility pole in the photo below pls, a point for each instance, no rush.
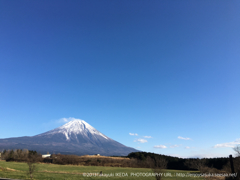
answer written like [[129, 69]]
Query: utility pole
[[231, 163]]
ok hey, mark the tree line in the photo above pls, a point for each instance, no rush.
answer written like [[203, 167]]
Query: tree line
[[182, 163]]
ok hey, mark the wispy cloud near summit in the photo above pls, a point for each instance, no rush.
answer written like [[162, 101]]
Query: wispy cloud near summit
[[65, 120]]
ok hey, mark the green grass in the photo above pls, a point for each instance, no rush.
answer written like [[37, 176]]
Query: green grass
[[70, 172]]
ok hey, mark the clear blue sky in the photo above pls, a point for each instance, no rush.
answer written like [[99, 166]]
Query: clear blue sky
[[167, 69]]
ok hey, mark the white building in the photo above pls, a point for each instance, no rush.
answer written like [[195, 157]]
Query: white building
[[46, 155]]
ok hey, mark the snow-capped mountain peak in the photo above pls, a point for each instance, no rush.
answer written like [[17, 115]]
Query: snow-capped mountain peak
[[76, 127]]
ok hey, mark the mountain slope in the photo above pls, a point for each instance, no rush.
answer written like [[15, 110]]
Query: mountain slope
[[75, 137]]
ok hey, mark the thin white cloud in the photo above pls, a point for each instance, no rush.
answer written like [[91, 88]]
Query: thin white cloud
[[53, 123], [228, 144], [160, 146], [187, 147], [141, 140], [174, 146], [147, 136], [133, 134], [65, 120], [179, 137]]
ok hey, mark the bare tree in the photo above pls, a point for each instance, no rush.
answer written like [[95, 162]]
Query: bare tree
[[31, 162], [237, 150], [5, 154], [199, 164], [236, 161], [157, 164]]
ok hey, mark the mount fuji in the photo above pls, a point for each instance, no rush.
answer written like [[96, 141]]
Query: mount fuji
[[75, 137]]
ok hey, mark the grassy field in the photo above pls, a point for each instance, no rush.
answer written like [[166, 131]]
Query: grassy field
[[18, 170]]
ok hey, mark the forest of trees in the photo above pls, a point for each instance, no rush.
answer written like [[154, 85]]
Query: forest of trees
[[181, 163]]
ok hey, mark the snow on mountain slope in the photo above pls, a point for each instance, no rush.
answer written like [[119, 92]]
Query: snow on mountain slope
[[76, 127]]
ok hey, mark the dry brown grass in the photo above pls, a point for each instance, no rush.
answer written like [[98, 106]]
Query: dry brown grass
[[9, 169], [107, 157]]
